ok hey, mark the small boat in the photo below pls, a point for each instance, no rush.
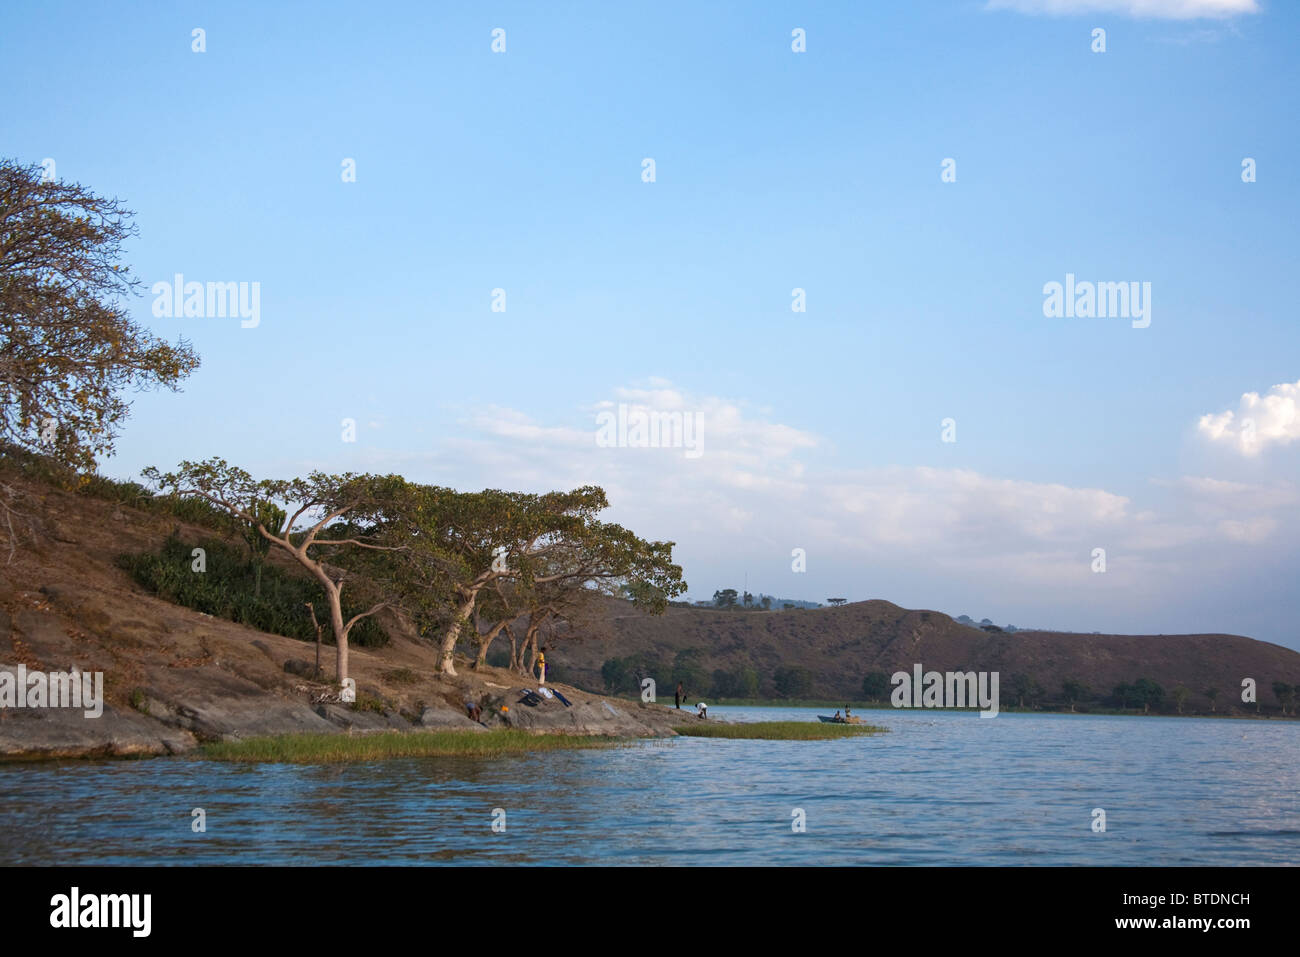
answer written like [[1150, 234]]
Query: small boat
[[829, 719]]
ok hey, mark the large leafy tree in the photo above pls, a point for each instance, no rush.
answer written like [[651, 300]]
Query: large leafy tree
[[467, 541], [68, 348], [1074, 691], [328, 517], [530, 555], [563, 595]]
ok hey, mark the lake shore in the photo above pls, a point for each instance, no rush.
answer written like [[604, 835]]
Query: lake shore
[[1003, 709]]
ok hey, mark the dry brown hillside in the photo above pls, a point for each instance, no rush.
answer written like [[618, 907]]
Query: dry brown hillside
[[174, 677], [839, 646]]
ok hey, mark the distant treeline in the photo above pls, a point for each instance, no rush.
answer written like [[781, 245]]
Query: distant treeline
[[1019, 691]]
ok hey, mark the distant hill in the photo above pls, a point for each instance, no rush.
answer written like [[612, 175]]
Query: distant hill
[[775, 604], [837, 647]]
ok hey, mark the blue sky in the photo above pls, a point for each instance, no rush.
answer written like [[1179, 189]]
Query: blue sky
[[774, 170]]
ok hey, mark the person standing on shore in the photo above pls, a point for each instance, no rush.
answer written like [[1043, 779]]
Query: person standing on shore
[[679, 695], [541, 665]]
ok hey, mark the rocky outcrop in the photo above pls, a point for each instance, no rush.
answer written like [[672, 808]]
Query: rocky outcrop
[[588, 715], [49, 733]]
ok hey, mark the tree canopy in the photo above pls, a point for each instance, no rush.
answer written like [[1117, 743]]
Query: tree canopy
[[68, 347]]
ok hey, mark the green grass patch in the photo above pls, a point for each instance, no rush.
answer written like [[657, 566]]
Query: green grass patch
[[777, 730], [334, 748]]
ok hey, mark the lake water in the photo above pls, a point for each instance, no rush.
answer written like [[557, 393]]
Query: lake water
[[940, 788]]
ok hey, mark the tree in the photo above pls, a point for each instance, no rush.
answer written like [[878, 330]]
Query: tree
[[68, 349], [1124, 694], [739, 682], [837, 601], [1025, 688], [614, 672], [460, 543], [1211, 693], [875, 685], [271, 516], [492, 615], [726, 598], [1074, 691], [1148, 693], [548, 548], [793, 682], [687, 670], [767, 602], [786, 606], [337, 513], [1284, 693], [1180, 695]]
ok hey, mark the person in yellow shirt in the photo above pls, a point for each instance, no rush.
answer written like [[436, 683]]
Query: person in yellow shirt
[[541, 666]]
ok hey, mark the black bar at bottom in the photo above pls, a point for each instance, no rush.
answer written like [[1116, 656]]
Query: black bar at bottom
[[342, 906]]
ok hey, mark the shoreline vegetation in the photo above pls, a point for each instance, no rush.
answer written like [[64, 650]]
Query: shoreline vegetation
[[339, 749], [343, 748], [778, 730]]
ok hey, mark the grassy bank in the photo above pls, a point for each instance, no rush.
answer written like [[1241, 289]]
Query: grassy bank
[[778, 730], [334, 748]]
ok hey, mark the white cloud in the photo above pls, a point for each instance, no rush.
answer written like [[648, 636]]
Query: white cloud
[[1258, 421], [750, 484], [1152, 9], [902, 532]]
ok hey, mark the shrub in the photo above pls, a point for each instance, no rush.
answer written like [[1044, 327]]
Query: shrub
[[739, 682], [226, 590], [793, 682]]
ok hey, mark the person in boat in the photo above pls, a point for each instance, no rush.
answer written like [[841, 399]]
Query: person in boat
[[847, 715], [838, 716]]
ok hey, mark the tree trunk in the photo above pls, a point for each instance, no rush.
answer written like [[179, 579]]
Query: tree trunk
[[466, 608], [485, 642], [334, 595], [340, 635], [514, 650], [530, 647]]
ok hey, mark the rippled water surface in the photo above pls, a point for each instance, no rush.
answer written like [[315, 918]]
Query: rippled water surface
[[940, 788]]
